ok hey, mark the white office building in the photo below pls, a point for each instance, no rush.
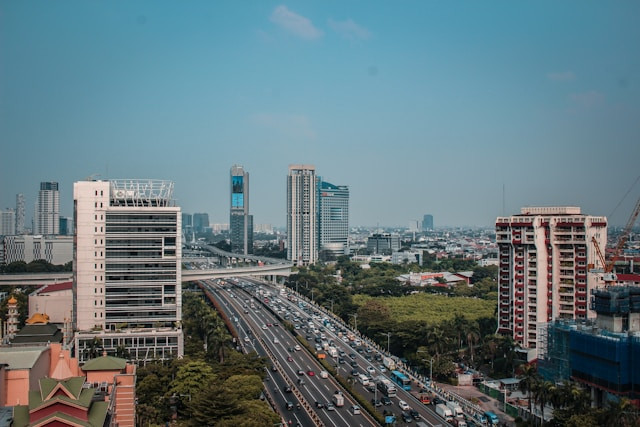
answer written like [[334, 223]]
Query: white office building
[[127, 269], [47, 212], [7, 222], [302, 220]]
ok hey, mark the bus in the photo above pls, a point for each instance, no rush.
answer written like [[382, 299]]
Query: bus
[[401, 379], [386, 387]]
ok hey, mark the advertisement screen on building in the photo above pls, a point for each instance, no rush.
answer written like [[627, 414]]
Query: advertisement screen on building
[[237, 189]]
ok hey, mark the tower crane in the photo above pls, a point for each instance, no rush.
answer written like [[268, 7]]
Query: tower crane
[[609, 276]]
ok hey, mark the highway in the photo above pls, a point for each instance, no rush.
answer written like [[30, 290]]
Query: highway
[[310, 321], [296, 369]]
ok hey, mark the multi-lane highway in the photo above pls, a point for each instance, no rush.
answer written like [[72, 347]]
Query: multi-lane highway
[[259, 310], [304, 396]]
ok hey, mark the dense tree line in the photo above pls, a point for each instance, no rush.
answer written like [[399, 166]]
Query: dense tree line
[[37, 266], [213, 385]]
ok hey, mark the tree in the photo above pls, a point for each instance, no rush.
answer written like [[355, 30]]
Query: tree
[[528, 382], [191, 379]]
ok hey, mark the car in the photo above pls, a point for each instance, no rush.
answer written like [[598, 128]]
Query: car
[[360, 350], [406, 417], [290, 406], [290, 359], [276, 341], [300, 372], [296, 326], [341, 353], [378, 357], [287, 389], [301, 381], [324, 374], [247, 339], [403, 405], [319, 405], [371, 370], [369, 350], [415, 414], [382, 368], [291, 350], [354, 364], [355, 409], [276, 324], [297, 347], [273, 368], [352, 355], [330, 407], [368, 357], [340, 360], [371, 388], [269, 324], [385, 400], [264, 327], [436, 401], [355, 373], [310, 373], [376, 402]]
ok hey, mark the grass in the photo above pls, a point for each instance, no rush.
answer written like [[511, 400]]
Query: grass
[[432, 308]]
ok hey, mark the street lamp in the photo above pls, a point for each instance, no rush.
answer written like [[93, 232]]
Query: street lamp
[[355, 320], [388, 334]]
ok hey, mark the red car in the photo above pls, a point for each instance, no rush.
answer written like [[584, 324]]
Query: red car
[[311, 373], [290, 359]]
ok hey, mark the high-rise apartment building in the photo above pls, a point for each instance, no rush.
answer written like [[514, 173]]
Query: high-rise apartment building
[[127, 269], [20, 213], [545, 255], [333, 220], [240, 222], [302, 219], [427, 222], [47, 214]]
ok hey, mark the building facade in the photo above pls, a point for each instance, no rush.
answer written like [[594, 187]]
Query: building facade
[[333, 220], [383, 243], [545, 255], [240, 222], [127, 268], [302, 218], [20, 213], [56, 250], [200, 222], [7, 222], [427, 222], [47, 215]]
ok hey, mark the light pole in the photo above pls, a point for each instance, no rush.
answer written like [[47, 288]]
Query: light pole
[[312, 295], [355, 320], [388, 334]]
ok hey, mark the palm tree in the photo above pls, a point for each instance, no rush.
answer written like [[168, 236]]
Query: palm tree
[[528, 382], [473, 336], [621, 413], [545, 391]]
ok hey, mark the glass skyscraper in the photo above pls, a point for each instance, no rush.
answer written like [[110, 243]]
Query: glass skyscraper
[[333, 220], [240, 222]]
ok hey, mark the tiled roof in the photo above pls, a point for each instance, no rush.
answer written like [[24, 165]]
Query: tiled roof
[[64, 286], [105, 363]]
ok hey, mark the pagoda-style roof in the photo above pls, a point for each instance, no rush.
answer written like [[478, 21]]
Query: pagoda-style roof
[[105, 363], [38, 319], [38, 333]]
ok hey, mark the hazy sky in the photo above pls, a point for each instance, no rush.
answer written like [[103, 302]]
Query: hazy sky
[[418, 106]]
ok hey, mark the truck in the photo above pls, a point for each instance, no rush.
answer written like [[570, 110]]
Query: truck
[[333, 352], [425, 398], [389, 363], [386, 386], [338, 399], [443, 411], [492, 418], [456, 409]]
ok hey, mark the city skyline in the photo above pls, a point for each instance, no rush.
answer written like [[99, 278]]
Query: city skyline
[[463, 111]]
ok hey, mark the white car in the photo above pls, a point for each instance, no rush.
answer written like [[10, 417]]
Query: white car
[[371, 370], [404, 405]]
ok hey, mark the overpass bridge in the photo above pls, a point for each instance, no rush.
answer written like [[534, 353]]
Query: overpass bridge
[[264, 267]]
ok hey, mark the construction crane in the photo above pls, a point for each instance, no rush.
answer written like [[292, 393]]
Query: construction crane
[[609, 276]]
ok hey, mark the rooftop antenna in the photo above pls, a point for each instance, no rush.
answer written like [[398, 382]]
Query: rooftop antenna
[[503, 209]]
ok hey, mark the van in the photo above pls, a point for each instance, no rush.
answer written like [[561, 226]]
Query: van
[[364, 380]]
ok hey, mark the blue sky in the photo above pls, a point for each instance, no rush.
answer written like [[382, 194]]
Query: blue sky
[[418, 106]]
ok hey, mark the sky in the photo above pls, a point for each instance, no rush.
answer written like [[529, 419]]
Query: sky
[[464, 110]]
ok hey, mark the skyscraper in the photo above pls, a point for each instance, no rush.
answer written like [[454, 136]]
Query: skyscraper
[[427, 222], [302, 215], [20, 213], [7, 222], [240, 222], [47, 215], [127, 268], [200, 222], [333, 219], [544, 256]]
